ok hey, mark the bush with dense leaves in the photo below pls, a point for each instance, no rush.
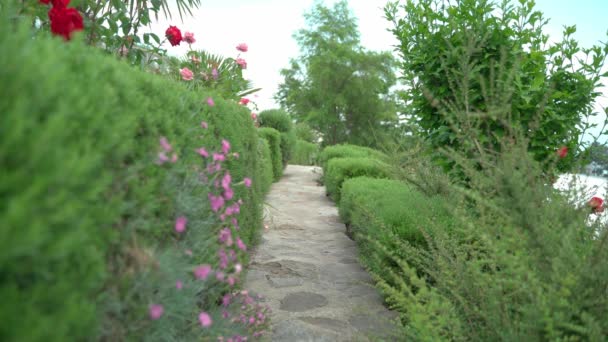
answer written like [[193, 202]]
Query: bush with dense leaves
[[341, 169], [305, 153], [347, 150], [88, 215], [273, 137], [281, 121]]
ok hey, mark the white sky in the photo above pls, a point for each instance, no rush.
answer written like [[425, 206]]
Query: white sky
[[267, 27]]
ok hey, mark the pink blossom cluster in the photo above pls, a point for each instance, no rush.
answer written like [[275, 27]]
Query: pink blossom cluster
[[238, 307]]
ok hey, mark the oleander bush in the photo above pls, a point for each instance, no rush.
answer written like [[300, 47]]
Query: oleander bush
[[347, 150], [273, 137], [341, 169], [91, 204], [281, 121], [305, 153]]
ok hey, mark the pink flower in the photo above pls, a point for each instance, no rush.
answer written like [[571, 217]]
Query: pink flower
[[240, 244], [187, 74], [179, 285], [226, 180], [231, 280], [228, 194], [210, 102], [215, 74], [164, 144], [225, 146], [226, 299], [242, 63], [254, 116], [242, 47], [202, 272], [226, 237], [189, 37], [238, 268], [204, 124], [247, 182], [217, 202], [225, 314], [244, 101], [156, 311], [223, 258], [205, 319], [180, 224], [219, 276], [219, 157], [562, 152], [203, 153], [174, 158], [162, 158]]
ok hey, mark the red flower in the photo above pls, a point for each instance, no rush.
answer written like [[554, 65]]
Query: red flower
[[596, 204], [244, 101], [56, 3], [64, 20], [562, 152], [174, 35]]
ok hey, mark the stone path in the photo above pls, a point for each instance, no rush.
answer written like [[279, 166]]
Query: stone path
[[307, 269]]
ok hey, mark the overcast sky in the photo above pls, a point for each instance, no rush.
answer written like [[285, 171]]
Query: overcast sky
[[267, 27]]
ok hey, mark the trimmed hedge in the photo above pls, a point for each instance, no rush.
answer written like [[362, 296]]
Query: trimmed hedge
[[347, 150], [273, 137], [305, 153], [265, 164], [341, 169], [281, 121], [391, 213], [87, 215]]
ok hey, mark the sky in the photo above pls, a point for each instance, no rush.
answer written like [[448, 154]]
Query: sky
[[267, 26]]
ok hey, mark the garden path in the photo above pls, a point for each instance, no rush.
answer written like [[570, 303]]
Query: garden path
[[307, 270]]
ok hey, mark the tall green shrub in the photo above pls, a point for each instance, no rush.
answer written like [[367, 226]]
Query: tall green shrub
[[265, 165], [341, 169], [281, 121], [305, 153], [87, 214], [273, 137], [347, 150]]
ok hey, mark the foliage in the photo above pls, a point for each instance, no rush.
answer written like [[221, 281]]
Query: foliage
[[305, 153], [392, 214], [265, 167], [273, 137], [89, 242], [280, 120], [597, 153], [462, 61], [337, 87], [306, 133], [346, 150], [341, 169]]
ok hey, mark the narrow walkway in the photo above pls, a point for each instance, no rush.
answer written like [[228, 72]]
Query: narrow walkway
[[307, 269]]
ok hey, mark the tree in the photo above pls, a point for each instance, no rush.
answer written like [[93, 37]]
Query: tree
[[336, 86], [475, 66]]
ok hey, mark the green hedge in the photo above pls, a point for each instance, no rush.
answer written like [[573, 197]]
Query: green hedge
[[347, 150], [273, 137], [305, 153], [341, 169], [265, 164], [281, 121], [85, 211], [389, 212]]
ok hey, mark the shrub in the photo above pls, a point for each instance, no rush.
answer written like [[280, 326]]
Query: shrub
[[305, 132], [341, 169], [273, 137], [87, 214], [346, 150], [305, 153], [280, 120], [265, 164]]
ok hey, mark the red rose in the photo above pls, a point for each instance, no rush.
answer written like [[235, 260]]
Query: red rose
[[596, 204], [562, 152], [64, 20], [174, 35]]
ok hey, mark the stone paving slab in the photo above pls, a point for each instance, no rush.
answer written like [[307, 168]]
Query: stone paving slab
[[307, 269]]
